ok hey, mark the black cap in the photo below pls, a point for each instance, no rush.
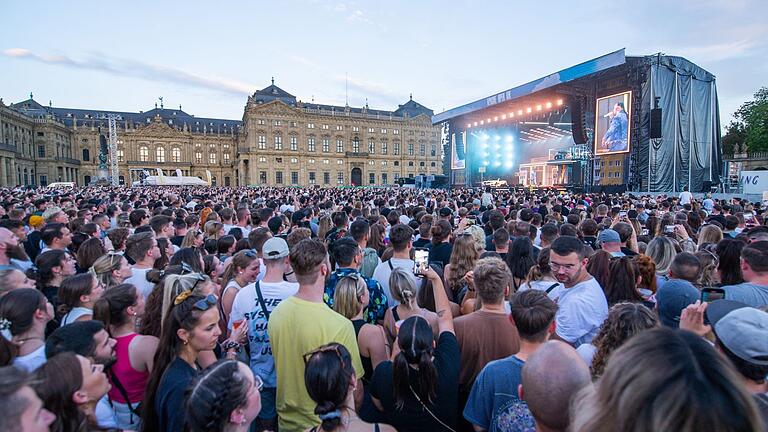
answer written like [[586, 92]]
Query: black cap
[[445, 212]]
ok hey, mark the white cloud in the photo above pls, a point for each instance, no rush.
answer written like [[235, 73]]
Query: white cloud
[[137, 69], [717, 51]]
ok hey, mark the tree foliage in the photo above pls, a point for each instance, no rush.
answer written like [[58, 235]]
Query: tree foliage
[[750, 126]]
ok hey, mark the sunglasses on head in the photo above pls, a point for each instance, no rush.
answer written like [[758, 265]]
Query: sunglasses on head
[[250, 253], [323, 349], [206, 303]]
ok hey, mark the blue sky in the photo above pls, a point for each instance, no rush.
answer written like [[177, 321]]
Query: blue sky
[[208, 56]]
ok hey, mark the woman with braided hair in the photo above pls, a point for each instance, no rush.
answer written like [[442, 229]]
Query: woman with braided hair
[[330, 380], [418, 391], [225, 397]]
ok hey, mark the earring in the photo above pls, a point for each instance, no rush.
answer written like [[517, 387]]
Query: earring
[[186, 342]]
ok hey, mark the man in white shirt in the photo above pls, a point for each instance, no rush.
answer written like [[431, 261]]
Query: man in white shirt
[[400, 238], [55, 236], [254, 303], [582, 306], [685, 196], [143, 250]]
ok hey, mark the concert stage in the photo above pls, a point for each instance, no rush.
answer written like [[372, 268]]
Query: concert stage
[[645, 123]]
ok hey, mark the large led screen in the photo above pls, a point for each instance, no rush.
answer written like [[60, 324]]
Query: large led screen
[[612, 125]]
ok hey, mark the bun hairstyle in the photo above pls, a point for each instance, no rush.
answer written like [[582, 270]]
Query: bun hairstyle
[[402, 287], [220, 389], [328, 375], [440, 231], [416, 344], [45, 263]]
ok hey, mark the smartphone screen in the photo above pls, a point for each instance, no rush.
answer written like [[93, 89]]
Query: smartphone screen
[[669, 229], [420, 261], [712, 294]]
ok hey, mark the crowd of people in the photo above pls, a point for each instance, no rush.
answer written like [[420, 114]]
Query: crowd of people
[[310, 309]]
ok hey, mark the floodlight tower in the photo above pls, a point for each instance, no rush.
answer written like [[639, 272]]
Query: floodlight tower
[[113, 173]]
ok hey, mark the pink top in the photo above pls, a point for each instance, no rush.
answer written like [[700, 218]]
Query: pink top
[[133, 381]]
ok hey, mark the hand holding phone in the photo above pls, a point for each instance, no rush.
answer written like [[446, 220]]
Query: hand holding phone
[[421, 259]]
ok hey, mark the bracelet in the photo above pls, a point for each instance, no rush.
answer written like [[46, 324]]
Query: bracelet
[[231, 345]]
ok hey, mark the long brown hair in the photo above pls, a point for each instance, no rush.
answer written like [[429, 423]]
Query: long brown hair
[[624, 321], [463, 259], [55, 382]]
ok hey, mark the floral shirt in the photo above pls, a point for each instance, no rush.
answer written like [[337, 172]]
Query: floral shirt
[[377, 305]]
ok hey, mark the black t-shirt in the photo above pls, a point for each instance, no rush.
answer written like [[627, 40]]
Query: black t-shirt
[[628, 252], [169, 401], [413, 416], [176, 240], [441, 253], [423, 243]]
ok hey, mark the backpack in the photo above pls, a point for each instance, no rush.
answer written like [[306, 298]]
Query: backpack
[[370, 261]]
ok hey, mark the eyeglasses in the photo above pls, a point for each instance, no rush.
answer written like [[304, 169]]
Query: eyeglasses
[[258, 383], [323, 349], [556, 267]]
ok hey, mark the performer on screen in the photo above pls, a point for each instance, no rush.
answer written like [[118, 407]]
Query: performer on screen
[[615, 138]]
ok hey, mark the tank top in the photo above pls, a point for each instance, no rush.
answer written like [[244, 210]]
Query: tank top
[[132, 380], [367, 364], [74, 314]]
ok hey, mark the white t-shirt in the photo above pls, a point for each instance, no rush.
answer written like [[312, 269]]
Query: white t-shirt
[[685, 197], [383, 271], [31, 361], [544, 285], [246, 305], [581, 311], [586, 352], [74, 314], [139, 280], [486, 198]]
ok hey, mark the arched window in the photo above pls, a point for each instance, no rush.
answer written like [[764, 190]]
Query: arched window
[[143, 153], [160, 153], [176, 154]]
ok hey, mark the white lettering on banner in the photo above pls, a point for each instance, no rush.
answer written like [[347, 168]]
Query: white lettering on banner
[[754, 182]]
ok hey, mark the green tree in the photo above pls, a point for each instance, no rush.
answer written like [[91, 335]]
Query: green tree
[[735, 135], [752, 122]]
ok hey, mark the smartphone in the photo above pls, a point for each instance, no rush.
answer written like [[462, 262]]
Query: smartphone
[[622, 214], [669, 229], [748, 216], [644, 231], [420, 261], [712, 294]]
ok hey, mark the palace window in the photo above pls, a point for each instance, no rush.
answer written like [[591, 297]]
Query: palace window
[[371, 147], [325, 127], [410, 149], [340, 162], [355, 129], [278, 142], [294, 177], [262, 159], [86, 155], [212, 158], [396, 149], [262, 177], [143, 153], [326, 161], [261, 122], [326, 177], [383, 131], [294, 143], [120, 155], [262, 142], [310, 125], [279, 177], [312, 177], [339, 127], [355, 145], [339, 146], [310, 144], [277, 123], [294, 160], [198, 157], [422, 149], [176, 154], [396, 131], [383, 148], [383, 178], [160, 154], [226, 157], [340, 177], [371, 130], [433, 151], [311, 161], [371, 178]]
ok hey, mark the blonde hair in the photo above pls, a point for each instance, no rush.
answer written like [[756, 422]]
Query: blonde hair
[[710, 234], [212, 229], [349, 292], [189, 238], [104, 266], [478, 234], [403, 287], [176, 284]]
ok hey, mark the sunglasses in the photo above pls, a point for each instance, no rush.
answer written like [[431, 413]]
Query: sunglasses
[[323, 349], [250, 253], [206, 303]]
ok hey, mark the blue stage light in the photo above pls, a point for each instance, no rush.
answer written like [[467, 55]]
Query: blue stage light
[[508, 164], [497, 163], [509, 138]]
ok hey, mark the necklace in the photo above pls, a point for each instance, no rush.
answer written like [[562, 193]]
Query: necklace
[[21, 341]]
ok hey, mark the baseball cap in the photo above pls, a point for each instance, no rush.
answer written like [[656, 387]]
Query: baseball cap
[[674, 296], [743, 331], [608, 236], [275, 248], [36, 221], [297, 216], [445, 212]]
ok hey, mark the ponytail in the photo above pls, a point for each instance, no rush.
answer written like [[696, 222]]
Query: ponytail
[[110, 308], [415, 340]]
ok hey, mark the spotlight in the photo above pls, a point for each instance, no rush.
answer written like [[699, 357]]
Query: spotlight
[[519, 112], [489, 120], [549, 105], [485, 163], [496, 118], [497, 137], [503, 116], [475, 123], [559, 102], [538, 107], [508, 164], [469, 125], [509, 138], [484, 136], [511, 115], [481, 122], [528, 110]]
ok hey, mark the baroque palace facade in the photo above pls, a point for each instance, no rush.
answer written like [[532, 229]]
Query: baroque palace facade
[[280, 141]]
